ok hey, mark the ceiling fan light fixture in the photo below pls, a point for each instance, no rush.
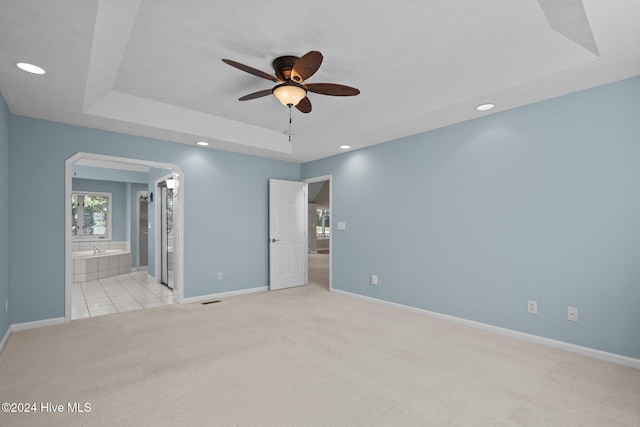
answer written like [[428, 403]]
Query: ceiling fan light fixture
[[289, 94]]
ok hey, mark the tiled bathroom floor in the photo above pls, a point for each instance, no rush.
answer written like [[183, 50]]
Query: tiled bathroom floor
[[132, 291]]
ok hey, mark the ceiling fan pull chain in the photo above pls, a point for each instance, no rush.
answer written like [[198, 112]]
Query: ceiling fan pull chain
[[290, 122]]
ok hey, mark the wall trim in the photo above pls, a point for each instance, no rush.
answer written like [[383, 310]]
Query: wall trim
[[29, 325], [547, 342], [5, 339], [204, 298], [36, 324]]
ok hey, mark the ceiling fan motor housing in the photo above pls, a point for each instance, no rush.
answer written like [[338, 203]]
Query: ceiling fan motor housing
[[283, 65]]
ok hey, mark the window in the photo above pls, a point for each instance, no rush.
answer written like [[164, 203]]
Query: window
[[90, 216], [323, 224]]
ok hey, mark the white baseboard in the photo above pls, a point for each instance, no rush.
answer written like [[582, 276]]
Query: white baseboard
[[561, 345], [29, 325], [37, 324], [5, 339], [209, 297]]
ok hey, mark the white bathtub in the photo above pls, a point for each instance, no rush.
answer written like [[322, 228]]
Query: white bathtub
[[88, 265], [91, 253]]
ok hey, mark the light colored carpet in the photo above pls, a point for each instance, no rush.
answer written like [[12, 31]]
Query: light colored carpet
[[301, 357]]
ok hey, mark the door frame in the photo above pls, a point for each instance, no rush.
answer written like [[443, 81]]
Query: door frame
[[319, 179], [68, 264]]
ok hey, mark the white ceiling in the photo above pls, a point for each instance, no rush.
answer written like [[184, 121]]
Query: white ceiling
[[153, 67]]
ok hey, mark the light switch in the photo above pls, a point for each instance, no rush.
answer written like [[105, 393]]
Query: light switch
[[342, 225]]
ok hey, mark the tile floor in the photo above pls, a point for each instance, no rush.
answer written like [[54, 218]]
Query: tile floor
[[126, 292]]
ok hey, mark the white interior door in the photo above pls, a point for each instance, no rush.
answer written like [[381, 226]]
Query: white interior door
[[287, 234]]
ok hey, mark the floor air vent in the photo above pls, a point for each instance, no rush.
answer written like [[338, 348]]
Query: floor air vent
[[210, 302]]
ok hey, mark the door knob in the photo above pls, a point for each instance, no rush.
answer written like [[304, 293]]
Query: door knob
[[275, 240]]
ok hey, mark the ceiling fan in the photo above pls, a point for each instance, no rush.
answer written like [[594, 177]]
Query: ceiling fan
[[290, 73]]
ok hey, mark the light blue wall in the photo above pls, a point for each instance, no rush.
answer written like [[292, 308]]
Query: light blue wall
[[472, 220], [119, 208], [5, 251], [226, 211]]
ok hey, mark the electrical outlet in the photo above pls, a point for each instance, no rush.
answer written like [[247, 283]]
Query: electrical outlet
[[533, 306], [572, 314], [220, 275], [374, 279]]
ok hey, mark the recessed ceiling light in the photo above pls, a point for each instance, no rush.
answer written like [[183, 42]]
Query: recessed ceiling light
[[485, 107], [202, 143], [30, 68], [345, 147]]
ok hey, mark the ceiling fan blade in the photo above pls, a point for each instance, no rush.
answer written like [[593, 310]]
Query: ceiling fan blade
[[304, 105], [306, 66], [251, 70], [331, 89], [255, 95]]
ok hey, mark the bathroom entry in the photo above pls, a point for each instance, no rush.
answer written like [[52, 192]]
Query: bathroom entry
[[166, 190], [155, 172]]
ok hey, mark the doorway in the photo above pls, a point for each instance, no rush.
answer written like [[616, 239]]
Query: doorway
[[319, 253], [113, 162]]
